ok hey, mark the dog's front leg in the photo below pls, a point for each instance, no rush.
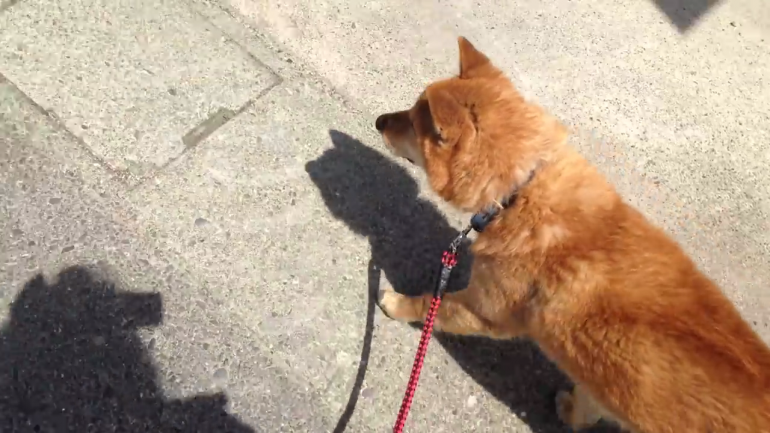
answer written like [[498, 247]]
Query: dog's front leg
[[453, 316], [490, 306], [458, 313]]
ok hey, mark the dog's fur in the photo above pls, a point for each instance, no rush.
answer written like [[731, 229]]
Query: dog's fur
[[649, 341]]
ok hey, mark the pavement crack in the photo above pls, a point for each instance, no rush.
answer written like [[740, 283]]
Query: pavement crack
[[204, 129]]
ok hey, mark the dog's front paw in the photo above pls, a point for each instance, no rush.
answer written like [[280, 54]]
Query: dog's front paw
[[577, 409], [388, 300], [399, 307], [565, 407]]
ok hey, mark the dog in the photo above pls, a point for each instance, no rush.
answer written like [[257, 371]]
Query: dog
[[648, 340]]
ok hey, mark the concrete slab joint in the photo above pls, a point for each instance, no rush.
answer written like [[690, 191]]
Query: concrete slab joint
[[104, 57]]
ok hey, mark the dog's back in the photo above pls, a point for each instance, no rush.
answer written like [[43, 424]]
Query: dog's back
[[652, 338]]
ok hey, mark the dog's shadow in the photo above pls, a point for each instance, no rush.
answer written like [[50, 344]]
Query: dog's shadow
[[378, 199]]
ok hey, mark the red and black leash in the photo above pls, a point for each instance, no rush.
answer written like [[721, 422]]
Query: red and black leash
[[448, 262], [478, 223]]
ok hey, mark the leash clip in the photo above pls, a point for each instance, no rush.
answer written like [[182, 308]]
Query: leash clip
[[449, 261]]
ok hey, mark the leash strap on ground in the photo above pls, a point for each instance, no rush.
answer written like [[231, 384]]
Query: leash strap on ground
[[448, 262]]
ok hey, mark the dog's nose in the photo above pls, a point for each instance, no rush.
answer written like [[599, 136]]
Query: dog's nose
[[381, 122]]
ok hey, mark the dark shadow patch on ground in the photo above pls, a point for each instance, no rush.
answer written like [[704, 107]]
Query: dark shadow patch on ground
[[378, 199], [71, 361], [685, 13]]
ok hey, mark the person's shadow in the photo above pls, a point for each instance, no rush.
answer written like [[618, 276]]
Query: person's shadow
[[71, 361], [378, 199]]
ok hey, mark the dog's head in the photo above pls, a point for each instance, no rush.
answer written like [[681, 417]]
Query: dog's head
[[473, 134]]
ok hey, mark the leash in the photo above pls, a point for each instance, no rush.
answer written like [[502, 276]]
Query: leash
[[448, 262], [478, 223]]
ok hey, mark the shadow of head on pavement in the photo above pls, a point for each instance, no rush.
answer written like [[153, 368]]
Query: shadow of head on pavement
[[378, 199], [71, 361]]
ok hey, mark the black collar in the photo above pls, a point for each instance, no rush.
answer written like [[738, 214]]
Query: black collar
[[480, 220]]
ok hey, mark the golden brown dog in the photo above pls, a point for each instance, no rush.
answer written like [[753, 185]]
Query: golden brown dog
[[649, 341]]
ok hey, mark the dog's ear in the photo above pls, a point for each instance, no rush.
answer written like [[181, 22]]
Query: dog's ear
[[473, 63], [452, 122]]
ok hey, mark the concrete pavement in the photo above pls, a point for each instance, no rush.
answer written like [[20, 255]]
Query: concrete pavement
[[199, 184]]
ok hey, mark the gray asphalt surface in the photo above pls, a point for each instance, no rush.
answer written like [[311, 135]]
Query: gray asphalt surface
[[195, 209]]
